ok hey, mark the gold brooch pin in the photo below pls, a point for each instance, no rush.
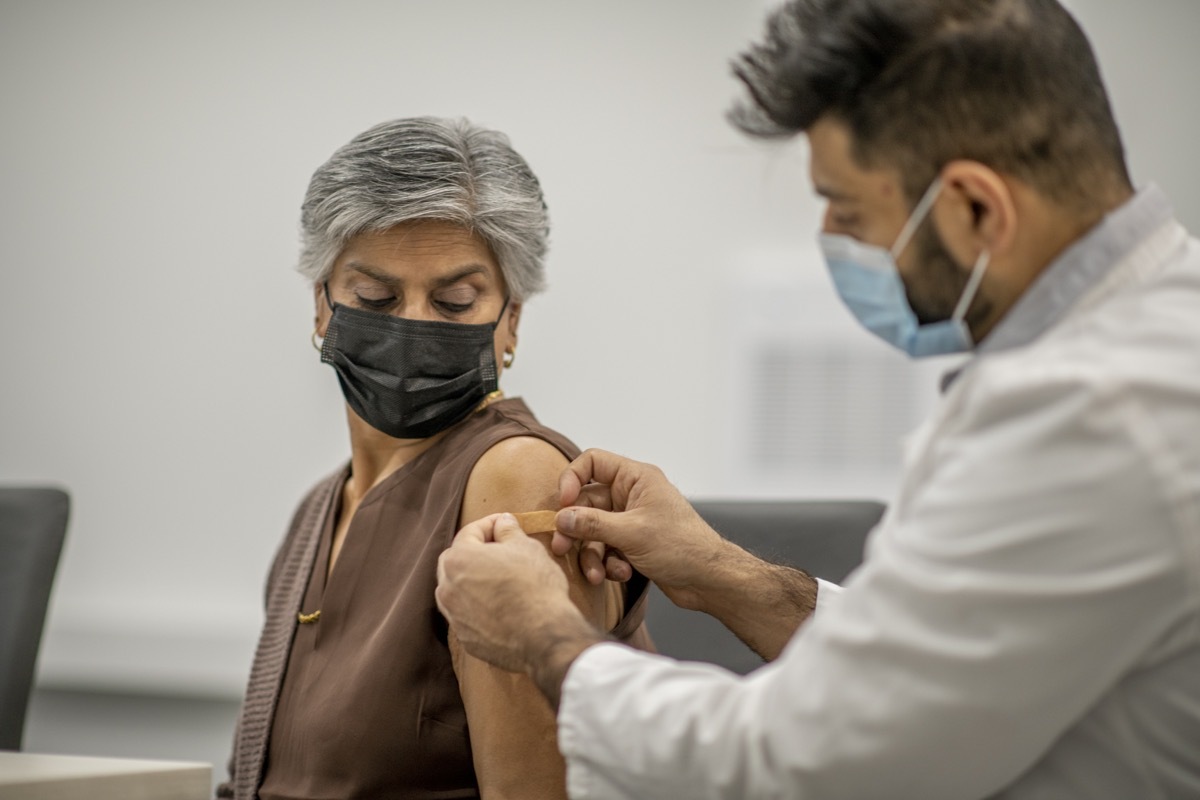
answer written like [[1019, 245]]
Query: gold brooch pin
[[305, 619]]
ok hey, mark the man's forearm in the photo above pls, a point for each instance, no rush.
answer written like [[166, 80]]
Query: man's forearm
[[555, 646], [762, 603]]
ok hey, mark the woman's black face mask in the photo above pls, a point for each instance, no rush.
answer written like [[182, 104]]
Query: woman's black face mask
[[410, 378]]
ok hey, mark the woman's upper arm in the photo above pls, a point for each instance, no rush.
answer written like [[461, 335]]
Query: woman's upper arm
[[521, 474], [512, 728], [516, 474]]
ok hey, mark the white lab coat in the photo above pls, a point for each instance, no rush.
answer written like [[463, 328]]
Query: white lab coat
[[1026, 623]]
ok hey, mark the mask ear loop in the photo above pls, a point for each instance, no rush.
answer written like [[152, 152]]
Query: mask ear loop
[[328, 302], [917, 217], [503, 308], [498, 394], [910, 228], [968, 295]]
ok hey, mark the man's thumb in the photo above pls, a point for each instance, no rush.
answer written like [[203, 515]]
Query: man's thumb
[[590, 525], [506, 528]]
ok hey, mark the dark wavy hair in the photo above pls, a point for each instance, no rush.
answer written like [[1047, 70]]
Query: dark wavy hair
[[1012, 84]]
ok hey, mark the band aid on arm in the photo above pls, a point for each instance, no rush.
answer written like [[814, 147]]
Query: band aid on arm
[[537, 521]]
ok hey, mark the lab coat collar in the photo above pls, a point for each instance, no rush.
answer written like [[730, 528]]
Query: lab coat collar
[[1077, 270]]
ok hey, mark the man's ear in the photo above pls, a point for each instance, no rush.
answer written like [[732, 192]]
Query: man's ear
[[974, 212]]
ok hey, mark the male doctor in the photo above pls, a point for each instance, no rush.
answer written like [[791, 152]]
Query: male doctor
[[1026, 623]]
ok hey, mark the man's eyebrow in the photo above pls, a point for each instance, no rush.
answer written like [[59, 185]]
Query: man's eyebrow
[[832, 194]]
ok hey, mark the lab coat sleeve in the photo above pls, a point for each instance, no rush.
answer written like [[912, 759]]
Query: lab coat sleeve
[[1036, 563], [827, 596]]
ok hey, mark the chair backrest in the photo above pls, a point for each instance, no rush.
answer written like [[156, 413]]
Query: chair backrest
[[33, 523], [824, 538]]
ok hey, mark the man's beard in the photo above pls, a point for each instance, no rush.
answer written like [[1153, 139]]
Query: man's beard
[[935, 286]]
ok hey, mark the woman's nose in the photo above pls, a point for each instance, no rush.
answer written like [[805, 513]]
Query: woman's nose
[[416, 308]]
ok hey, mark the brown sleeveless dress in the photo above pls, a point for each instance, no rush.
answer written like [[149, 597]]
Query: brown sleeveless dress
[[365, 702]]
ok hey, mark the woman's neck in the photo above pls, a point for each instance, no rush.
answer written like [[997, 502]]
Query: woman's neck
[[375, 455]]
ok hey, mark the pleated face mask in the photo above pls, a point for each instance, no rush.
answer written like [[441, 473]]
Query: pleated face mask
[[868, 281], [410, 378]]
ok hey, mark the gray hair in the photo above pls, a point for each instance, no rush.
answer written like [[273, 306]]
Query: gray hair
[[426, 168]]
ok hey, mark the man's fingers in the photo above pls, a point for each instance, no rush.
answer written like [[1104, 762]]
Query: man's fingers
[[593, 466], [439, 595], [445, 568], [594, 525], [441, 573], [595, 495], [478, 532], [505, 528], [492, 528], [560, 545], [569, 486], [591, 562], [616, 568]]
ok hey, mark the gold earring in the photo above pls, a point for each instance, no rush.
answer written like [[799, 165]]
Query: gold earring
[[510, 355], [316, 346]]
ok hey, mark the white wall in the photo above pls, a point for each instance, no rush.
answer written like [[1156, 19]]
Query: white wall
[[154, 340]]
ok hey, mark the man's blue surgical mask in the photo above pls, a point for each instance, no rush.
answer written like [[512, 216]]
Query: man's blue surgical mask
[[869, 283]]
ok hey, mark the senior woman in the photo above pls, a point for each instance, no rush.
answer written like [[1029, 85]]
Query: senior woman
[[422, 239]]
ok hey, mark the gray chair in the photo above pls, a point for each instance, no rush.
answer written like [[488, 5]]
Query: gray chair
[[33, 523], [824, 538]]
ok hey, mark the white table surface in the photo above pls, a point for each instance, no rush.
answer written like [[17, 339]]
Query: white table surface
[[30, 776]]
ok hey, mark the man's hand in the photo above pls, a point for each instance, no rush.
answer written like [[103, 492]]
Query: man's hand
[[634, 511], [507, 602]]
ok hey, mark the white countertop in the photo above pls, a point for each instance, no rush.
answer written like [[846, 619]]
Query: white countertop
[[31, 776]]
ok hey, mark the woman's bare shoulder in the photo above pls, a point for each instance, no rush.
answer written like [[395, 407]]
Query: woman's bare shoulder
[[516, 474]]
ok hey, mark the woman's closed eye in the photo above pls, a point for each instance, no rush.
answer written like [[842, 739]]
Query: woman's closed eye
[[375, 303], [456, 301], [452, 303], [454, 308]]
